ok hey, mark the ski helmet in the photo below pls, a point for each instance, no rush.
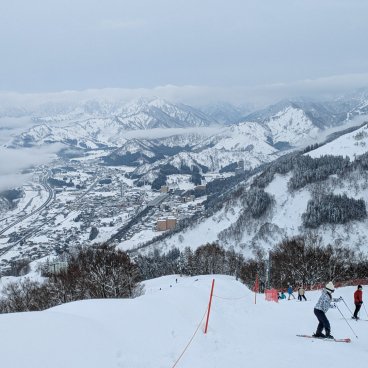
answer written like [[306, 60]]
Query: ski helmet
[[330, 287]]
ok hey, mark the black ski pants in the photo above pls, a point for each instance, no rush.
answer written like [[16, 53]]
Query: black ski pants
[[323, 322], [357, 309]]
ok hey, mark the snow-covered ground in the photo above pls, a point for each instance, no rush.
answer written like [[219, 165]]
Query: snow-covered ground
[[351, 145], [153, 330], [34, 196]]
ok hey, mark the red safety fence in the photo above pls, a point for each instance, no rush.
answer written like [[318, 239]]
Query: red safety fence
[[355, 282], [272, 295]]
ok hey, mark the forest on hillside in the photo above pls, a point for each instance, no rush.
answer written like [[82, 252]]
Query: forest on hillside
[[106, 272]]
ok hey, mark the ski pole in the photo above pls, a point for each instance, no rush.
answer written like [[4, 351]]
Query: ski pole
[[346, 305], [345, 320]]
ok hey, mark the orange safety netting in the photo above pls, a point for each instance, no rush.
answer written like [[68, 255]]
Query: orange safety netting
[[272, 295]]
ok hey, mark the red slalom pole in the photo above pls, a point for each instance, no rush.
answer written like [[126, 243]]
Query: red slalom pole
[[209, 306]]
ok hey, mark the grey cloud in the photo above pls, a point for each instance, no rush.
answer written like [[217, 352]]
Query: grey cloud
[[9, 181], [10, 126], [13, 161], [259, 95], [14, 123], [83, 44]]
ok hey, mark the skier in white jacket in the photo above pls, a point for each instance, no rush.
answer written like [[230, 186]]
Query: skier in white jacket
[[322, 306]]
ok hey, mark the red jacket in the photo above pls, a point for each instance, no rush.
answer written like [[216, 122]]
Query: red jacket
[[358, 296]]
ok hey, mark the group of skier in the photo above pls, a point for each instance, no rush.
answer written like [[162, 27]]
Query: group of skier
[[301, 293], [324, 304]]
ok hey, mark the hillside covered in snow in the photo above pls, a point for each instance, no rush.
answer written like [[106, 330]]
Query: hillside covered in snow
[[165, 328], [322, 193]]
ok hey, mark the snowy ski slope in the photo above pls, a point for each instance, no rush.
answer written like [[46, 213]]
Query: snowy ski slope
[[154, 330]]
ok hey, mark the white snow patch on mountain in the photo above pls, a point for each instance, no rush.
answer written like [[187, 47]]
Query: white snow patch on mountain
[[288, 208], [351, 145], [293, 126]]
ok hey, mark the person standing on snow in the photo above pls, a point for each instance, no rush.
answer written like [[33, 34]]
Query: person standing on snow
[[290, 292], [358, 301], [301, 294], [322, 306]]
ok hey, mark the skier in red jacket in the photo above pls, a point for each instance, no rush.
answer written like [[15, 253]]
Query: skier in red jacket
[[358, 301]]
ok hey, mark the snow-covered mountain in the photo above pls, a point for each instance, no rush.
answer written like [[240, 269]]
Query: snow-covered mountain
[[91, 133], [285, 193], [179, 135], [302, 120], [254, 142], [322, 114], [226, 113], [158, 113], [95, 123], [292, 126], [78, 128], [293, 123], [249, 142], [358, 103]]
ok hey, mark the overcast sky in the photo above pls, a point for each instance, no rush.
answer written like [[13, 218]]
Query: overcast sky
[[54, 45]]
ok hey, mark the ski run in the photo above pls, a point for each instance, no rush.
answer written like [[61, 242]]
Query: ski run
[[164, 328]]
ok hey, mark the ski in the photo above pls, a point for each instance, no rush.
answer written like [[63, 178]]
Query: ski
[[324, 339]]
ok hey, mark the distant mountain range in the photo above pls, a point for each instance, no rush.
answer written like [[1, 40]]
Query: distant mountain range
[[95, 124], [323, 115], [178, 134], [109, 129]]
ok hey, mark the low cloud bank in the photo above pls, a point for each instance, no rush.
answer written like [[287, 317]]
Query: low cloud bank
[[13, 161], [165, 132], [13, 181], [11, 126], [259, 95]]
